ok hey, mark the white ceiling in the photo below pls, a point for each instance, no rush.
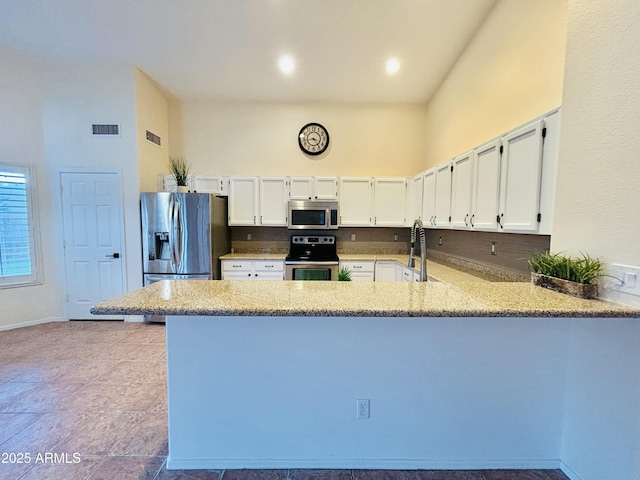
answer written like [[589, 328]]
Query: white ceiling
[[228, 49]]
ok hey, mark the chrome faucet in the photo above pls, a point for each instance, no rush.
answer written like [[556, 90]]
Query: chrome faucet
[[417, 225]]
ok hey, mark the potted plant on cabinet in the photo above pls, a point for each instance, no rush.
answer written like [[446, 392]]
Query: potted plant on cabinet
[[576, 276], [181, 172]]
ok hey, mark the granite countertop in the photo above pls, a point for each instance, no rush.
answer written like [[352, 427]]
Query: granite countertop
[[254, 256], [456, 294]]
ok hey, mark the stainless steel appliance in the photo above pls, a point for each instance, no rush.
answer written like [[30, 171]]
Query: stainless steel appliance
[[183, 237], [312, 257], [313, 215]]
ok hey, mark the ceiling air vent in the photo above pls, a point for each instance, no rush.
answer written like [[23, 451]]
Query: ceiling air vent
[[153, 138], [105, 129]]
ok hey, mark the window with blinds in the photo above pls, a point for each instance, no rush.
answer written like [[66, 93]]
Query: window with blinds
[[18, 260]]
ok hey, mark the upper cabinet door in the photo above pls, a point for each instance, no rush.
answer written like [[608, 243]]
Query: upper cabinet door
[[442, 217], [273, 201], [325, 188], [243, 200], [429, 198], [301, 188], [520, 182], [461, 191], [356, 199], [486, 200], [211, 184], [417, 190], [390, 200]]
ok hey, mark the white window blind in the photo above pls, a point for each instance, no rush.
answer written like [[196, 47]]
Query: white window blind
[[18, 259]]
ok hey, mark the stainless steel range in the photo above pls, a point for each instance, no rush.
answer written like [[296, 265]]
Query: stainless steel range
[[312, 257]]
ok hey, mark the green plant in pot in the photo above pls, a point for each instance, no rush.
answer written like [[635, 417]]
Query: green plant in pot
[[344, 275], [181, 172], [575, 276]]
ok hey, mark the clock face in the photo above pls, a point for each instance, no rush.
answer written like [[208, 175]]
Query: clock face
[[313, 139]]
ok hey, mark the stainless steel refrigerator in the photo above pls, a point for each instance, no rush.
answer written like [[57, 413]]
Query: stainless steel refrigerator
[[183, 237]]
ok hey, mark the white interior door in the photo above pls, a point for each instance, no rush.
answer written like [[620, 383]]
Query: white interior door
[[92, 224]]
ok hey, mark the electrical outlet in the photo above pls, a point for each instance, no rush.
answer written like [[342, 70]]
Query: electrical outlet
[[353, 237], [626, 279], [440, 242], [249, 236], [362, 408], [395, 237], [494, 248]]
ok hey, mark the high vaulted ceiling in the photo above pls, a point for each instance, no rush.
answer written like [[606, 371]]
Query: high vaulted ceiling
[[228, 50]]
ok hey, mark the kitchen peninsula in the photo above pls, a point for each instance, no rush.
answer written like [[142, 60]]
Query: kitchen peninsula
[[469, 374]]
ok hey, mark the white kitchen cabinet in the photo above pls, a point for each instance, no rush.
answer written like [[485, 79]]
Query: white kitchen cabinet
[[388, 271], [442, 216], [300, 188], [429, 198], [243, 200], [258, 201], [273, 196], [486, 196], [520, 179], [417, 189], [361, 270], [390, 202], [407, 274], [356, 200], [462, 190], [252, 270], [213, 184], [325, 188], [313, 188]]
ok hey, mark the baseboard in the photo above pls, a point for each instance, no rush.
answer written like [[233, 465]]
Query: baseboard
[[30, 323], [568, 472], [360, 464], [134, 318]]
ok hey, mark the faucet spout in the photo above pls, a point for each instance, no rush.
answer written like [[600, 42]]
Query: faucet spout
[[419, 228]]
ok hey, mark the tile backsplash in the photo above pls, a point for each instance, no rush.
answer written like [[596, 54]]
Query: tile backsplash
[[465, 248]]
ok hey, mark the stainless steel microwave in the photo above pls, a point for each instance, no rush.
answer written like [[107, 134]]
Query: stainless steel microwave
[[313, 215]]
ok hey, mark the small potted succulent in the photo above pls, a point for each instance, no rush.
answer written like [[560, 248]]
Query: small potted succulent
[[344, 275], [576, 276], [181, 172]]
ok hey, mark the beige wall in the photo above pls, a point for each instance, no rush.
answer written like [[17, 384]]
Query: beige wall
[[598, 197], [77, 95], [261, 139], [152, 115], [510, 73], [21, 142]]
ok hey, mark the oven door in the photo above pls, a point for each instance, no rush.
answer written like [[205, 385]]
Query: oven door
[[311, 270]]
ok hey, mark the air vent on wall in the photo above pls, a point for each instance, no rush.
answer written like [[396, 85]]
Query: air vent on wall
[[153, 138], [105, 129]]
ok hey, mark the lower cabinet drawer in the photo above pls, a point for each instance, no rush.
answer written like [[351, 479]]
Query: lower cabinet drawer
[[231, 265], [268, 266]]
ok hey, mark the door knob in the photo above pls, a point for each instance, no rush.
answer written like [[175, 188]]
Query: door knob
[[115, 255]]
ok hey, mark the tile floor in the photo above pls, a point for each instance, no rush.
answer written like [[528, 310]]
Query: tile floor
[[87, 400]]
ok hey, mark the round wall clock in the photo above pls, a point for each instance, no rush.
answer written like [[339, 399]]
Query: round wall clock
[[313, 139]]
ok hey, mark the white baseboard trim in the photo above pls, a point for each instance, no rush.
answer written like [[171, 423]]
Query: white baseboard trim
[[364, 464], [30, 323], [568, 472]]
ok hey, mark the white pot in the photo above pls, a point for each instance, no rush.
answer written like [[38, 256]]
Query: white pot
[[182, 189]]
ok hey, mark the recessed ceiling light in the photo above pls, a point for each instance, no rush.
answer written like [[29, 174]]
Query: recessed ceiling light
[[286, 64], [393, 65]]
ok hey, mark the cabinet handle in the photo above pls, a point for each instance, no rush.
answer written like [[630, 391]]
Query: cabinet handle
[[254, 219], [499, 220], [472, 219], [465, 220]]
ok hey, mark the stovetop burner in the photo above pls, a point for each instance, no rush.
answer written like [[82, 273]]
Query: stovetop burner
[[312, 248]]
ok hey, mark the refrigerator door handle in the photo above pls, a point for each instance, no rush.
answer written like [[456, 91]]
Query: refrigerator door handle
[[173, 233]]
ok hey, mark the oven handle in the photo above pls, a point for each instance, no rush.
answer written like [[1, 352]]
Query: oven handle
[[327, 264]]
